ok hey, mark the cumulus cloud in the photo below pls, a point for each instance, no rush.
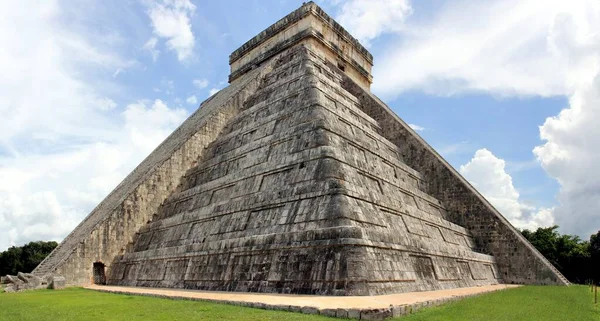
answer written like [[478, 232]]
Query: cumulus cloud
[[367, 19], [498, 47], [487, 174], [171, 20], [192, 100], [147, 125], [37, 216], [571, 140], [200, 83], [416, 127], [213, 91], [46, 94], [106, 104], [64, 142], [44, 196], [150, 46]]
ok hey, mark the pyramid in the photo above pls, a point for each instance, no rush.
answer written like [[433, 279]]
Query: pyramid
[[297, 179]]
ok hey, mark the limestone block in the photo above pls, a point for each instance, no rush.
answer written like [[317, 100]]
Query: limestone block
[[31, 281], [341, 313], [398, 311], [58, 283], [13, 279], [309, 310], [353, 314], [22, 277], [328, 312], [376, 314]]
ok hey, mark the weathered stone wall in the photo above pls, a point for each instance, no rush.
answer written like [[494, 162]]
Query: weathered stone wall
[[250, 216], [517, 260], [111, 226], [300, 193], [405, 226]]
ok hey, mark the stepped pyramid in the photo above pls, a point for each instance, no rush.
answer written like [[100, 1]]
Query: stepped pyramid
[[297, 179]]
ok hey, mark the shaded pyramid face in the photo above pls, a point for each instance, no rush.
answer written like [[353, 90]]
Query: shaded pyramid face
[[301, 194], [296, 179]]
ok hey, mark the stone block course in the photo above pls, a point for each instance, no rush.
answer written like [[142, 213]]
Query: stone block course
[[58, 282]]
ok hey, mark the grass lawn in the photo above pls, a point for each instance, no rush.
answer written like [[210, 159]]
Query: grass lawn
[[525, 303], [543, 303], [88, 305]]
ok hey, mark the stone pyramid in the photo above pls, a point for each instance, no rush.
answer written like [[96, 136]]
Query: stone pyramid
[[297, 179]]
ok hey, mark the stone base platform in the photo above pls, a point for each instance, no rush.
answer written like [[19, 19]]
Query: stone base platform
[[354, 307]]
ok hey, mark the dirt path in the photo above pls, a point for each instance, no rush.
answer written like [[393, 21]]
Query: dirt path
[[327, 305]]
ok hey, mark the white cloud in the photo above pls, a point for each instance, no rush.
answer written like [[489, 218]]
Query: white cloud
[[571, 149], [487, 174], [168, 86], [44, 196], [150, 46], [367, 19], [47, 92], [416, 127], [149, 125], [61, 147], [106, 104], [499, 47], [213, 91], [29, 217], [200, 83], [117, 72], [192, 100], [171, 21]]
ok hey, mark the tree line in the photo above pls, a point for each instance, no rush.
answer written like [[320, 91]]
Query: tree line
[[24, 258], [578, 260]]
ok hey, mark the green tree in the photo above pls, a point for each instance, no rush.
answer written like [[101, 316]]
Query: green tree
[[568, 253], [24, 258], [595, 256]]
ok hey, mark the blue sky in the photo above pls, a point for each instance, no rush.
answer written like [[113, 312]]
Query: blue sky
[[507, 91], [458, 126]]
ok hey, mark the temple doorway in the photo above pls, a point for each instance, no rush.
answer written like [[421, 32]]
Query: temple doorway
[[99, 273]]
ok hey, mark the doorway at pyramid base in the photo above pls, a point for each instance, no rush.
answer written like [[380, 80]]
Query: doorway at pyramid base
[[339, 258]]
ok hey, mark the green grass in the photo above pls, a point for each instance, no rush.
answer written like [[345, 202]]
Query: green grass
[[526, 303], [88, 305], [544, 303]]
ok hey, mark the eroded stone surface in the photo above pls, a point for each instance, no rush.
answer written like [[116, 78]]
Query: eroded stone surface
[[58, 282], [23, 282], [300, 193]]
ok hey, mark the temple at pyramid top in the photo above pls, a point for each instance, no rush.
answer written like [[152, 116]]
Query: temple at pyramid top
[[310, 25]]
